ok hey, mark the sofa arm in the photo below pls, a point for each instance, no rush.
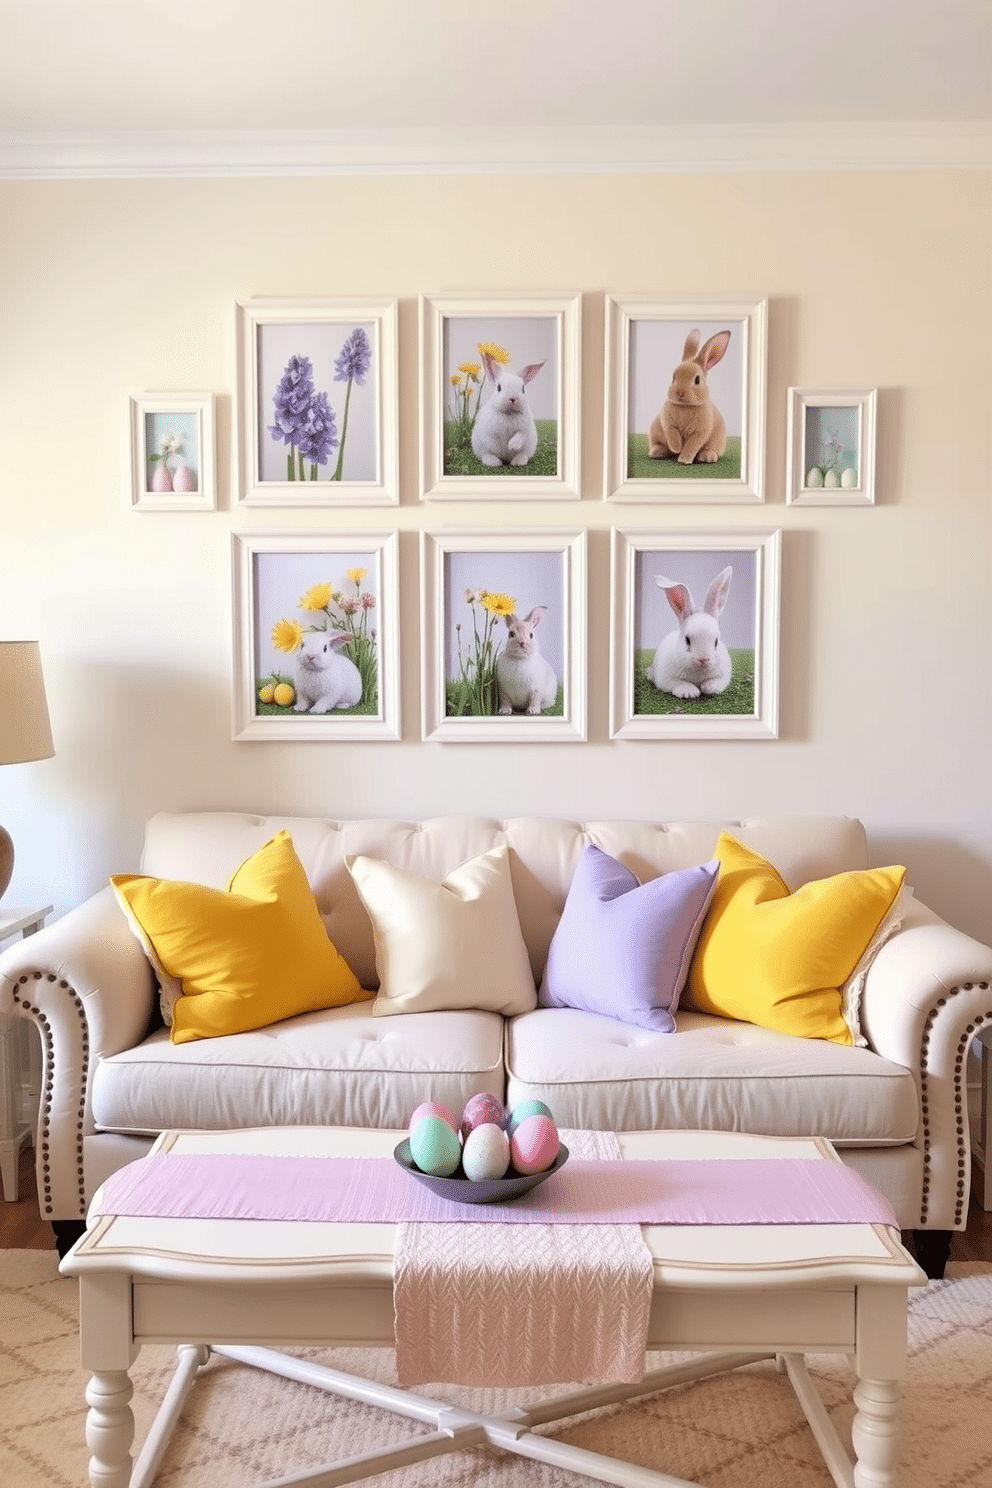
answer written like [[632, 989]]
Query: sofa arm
[[88, 987], [927, 993]]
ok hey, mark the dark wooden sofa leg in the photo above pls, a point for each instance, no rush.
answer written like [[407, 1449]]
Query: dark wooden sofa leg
[[68, 1231], [933, 1248]]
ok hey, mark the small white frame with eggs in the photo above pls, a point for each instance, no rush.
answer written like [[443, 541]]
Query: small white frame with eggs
[[851, 480]]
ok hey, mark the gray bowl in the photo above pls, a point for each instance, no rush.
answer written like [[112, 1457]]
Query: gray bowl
[[462, 1190]]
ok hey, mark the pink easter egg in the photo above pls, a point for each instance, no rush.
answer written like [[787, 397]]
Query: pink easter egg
[[433, 1108], [482, 1110], [486, 1153], [534, 1144]]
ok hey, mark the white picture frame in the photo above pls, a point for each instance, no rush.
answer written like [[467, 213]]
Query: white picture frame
[[530, 330], [173, 435], [462, 633], [272, 574], [747, 615], [831, 432], [336, 442], [646, 340]]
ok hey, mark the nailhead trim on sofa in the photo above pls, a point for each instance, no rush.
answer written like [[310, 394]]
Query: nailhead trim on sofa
[[44, 1115], [960, 1098]]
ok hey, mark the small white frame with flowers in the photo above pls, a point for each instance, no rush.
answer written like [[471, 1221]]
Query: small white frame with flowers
[[804, 405], [318, 329], [560, 557], [195, 411], [563, 312], [253, 586]]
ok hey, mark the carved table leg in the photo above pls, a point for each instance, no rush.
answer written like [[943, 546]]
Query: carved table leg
[[875, 1433], [110, 1428]]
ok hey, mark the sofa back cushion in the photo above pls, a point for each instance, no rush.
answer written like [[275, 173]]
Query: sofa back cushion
[[207, 846]]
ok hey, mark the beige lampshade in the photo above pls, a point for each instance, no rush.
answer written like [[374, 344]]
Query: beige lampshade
[[25, 732]]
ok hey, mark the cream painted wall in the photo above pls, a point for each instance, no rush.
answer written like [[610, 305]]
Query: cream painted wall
[[109, 288]]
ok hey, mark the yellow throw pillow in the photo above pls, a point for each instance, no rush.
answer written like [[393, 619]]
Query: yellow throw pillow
[[456, 944], [244, 957], [778, 959]]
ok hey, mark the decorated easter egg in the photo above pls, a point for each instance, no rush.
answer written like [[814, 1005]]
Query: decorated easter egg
[[814, 477], [482, 1110], [433, 1108], [434, 1146], [486, 1153], [849, 478], [534, 1144], [524, 1109]]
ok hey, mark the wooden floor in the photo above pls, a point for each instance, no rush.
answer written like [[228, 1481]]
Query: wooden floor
[[22, 1228]]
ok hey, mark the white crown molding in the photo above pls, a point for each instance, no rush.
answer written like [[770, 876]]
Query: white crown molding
[[540, 150]]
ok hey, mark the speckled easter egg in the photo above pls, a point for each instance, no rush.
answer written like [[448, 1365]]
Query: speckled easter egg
[[482, 1110], [486, 1153], [534, 1144], [434, 1146], [526, 1108], [433, 1108]]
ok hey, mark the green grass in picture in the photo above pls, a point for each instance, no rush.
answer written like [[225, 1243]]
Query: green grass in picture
[[460, 460], [458, 704], [368, 707], [738, 698], [640, 465]]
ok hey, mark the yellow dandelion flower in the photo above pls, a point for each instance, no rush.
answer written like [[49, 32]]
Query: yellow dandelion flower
[[287, 635], [456, 379], [499, 604], [356, 575], [317, 598], [498, 353], [471, 369]]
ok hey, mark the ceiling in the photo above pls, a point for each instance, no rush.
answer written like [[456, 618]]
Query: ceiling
[[528, 82]]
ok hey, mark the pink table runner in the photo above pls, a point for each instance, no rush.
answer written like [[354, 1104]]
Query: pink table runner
[[725, 1191]]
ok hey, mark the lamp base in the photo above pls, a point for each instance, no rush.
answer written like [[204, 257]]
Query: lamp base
[[6, 860]]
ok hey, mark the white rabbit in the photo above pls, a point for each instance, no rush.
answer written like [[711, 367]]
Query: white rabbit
[[525, 680], [693, 659], [324, 678], [504, 432]]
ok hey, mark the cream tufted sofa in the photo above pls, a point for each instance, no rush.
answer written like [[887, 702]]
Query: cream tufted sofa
[[896, 1110]]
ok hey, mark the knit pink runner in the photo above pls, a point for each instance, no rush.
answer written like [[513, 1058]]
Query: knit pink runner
[[531, 1304]]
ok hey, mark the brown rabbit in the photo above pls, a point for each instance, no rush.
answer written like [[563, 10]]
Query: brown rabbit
[[690, 427]]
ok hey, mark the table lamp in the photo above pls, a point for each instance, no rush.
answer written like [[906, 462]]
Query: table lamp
[[25, 732]]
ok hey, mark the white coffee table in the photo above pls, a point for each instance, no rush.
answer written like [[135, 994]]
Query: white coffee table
[[246, 1288]]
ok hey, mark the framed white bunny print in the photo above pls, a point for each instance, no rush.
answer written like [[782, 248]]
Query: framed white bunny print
[[830, 436], [685, 399], [317, 403], [500, 397], [504, 645], [316, 626], [695, 635]]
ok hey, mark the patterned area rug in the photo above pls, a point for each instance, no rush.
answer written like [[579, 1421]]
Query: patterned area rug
[[243, 1427]]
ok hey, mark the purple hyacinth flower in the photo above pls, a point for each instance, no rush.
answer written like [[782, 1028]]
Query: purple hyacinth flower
[[292, 399], [355, 358], [318, 432]]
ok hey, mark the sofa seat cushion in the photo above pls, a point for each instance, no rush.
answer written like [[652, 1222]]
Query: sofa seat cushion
[[712, 1074], [333, 1067]]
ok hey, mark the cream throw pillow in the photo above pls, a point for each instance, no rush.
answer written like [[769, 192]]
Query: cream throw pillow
[[455, 944]]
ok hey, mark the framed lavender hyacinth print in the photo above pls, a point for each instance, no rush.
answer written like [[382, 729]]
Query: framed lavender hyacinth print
[[316, 622], [172, 452], [504, 636], [317, 403], [500, 397]]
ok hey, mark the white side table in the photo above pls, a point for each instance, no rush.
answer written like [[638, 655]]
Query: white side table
[[13, 1130]]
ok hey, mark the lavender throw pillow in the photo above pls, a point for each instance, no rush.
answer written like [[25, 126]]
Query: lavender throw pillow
[[622, 948]]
